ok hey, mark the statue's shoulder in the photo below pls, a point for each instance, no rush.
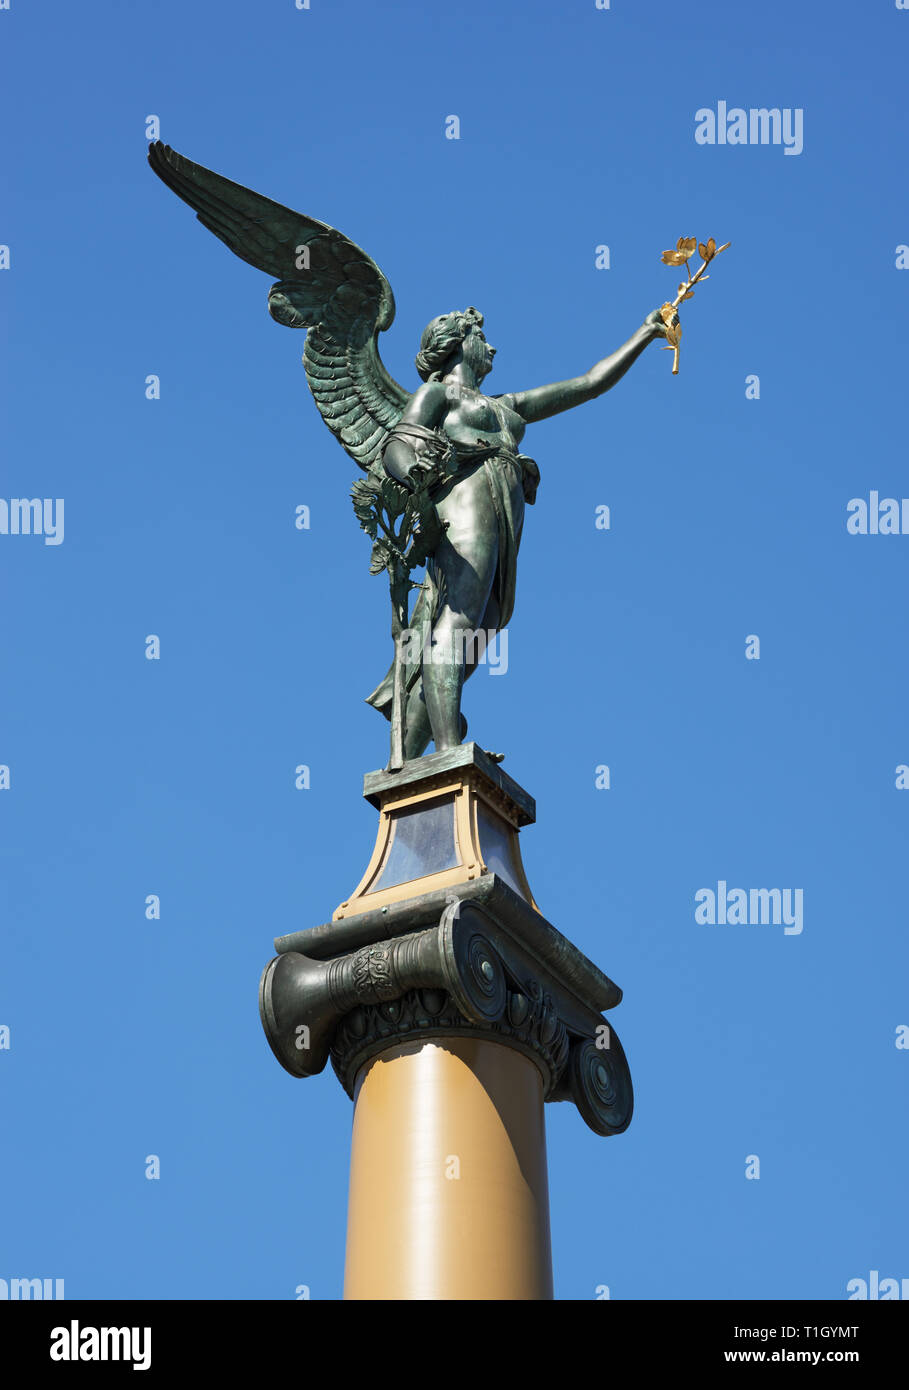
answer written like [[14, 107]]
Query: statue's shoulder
[[427, 404]]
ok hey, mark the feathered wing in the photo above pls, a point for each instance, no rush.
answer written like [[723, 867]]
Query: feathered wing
[[325, 284]]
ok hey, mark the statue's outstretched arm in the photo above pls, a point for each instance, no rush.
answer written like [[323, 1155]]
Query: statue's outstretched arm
[[543, 401]]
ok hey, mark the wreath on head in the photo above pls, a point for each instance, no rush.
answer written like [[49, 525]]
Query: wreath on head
[[442, 338]]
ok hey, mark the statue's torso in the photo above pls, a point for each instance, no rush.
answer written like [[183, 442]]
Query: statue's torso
[[474, 419]]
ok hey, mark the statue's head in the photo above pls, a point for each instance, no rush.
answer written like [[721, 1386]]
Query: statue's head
[[452, 338]]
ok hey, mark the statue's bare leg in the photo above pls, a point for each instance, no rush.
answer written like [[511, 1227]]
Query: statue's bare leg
[[418, 730], [466, 559]]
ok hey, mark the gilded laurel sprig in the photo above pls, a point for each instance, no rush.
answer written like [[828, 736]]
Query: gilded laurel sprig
[[684, 250]]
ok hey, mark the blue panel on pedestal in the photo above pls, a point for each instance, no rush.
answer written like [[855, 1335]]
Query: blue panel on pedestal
[[423, 842], [498, 848]]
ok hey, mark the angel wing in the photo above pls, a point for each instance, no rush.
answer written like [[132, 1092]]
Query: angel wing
[[325, 284]]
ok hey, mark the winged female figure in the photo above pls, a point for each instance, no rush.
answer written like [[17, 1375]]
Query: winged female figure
[[444, 459]]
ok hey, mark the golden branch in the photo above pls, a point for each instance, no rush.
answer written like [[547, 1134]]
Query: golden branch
[[682, 254]]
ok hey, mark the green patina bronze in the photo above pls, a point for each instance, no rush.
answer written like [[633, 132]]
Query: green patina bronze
[[445, 485]]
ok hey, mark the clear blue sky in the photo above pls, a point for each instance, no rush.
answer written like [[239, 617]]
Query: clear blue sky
[[175, 777]]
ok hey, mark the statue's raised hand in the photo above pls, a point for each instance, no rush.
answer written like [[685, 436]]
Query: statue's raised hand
[[656, 326]]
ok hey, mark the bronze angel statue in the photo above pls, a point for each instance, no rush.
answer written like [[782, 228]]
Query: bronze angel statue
[[445, 485]]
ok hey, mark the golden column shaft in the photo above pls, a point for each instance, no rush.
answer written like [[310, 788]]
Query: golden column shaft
[[448, 1184]]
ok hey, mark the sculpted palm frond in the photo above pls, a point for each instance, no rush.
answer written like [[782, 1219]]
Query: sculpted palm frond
[[325, 284]]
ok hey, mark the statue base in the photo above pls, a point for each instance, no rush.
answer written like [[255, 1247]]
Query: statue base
[[444, 820], [442, 939]]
